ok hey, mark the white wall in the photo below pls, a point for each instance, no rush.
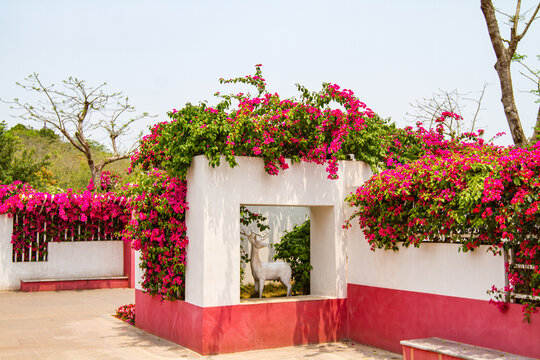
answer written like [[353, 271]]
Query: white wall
[[66, 260], [138, 270], [214, 196], [434, 268]]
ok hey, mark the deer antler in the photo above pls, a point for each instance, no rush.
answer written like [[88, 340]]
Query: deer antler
[[251, 236], [263, 238], [242, 232]]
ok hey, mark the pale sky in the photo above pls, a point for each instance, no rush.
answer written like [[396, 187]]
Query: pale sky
[[163, 54]]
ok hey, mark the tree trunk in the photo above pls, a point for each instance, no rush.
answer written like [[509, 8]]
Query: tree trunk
[[502, 66], [509, 104], [95, 174]]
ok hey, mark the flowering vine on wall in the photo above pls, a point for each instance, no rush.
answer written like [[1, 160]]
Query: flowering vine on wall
[[66, 216], [157, 228], [465, 192]]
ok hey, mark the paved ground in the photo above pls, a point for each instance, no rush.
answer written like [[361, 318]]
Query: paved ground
[[78, 325]]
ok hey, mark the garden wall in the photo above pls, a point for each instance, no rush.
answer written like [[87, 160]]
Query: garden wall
[[66, 260], [431, 291]]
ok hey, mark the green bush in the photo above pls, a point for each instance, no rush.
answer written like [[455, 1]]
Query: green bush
[[18, 165], [294, 249]]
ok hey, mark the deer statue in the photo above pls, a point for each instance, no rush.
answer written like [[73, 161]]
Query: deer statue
[[263, 271]]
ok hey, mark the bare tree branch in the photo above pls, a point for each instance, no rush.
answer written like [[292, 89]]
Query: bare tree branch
[[428, 110], [110, 160], [534, 76], [533, 17], [478, 107], [69, 111]]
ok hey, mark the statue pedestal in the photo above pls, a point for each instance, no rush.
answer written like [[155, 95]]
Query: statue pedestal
[[249, 326]]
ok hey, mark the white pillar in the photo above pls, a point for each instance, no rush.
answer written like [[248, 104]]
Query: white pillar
[[214, 196]]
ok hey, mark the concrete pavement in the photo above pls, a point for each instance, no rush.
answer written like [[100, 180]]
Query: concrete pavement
[[80, 325]]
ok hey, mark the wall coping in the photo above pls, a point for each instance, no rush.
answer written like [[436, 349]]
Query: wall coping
[[459, 350]]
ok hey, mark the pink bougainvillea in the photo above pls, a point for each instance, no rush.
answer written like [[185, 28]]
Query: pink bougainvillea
[[308, 129], [68, 216], [126, 313], [157, 228], [108, 181], [433, 188], [469, 193]]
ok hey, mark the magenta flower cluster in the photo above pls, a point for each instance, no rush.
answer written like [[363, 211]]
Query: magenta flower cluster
[[126, 313], [108, 182], [68, 216], [157, 228], [266, 126]]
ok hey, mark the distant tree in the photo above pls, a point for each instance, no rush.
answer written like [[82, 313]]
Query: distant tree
[[79, 110], [505, 54], [428, 110], [23, 167], [43, 133]]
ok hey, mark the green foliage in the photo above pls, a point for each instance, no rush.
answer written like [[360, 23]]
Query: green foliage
[[247, 217], [67, 167], [19, 165], [294, 248]]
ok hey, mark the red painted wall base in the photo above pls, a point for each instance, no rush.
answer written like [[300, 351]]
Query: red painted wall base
[[226, 329], [85, 284], [129, 264], [372, 316], [382, 317]]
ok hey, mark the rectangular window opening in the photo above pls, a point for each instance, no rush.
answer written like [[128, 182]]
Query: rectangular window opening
[[274, 235]]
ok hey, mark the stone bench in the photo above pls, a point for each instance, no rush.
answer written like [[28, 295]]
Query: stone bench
[[440, 349], [107, 282]]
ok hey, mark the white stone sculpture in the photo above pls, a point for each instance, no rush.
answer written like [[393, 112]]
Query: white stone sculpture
[[263, 271]]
